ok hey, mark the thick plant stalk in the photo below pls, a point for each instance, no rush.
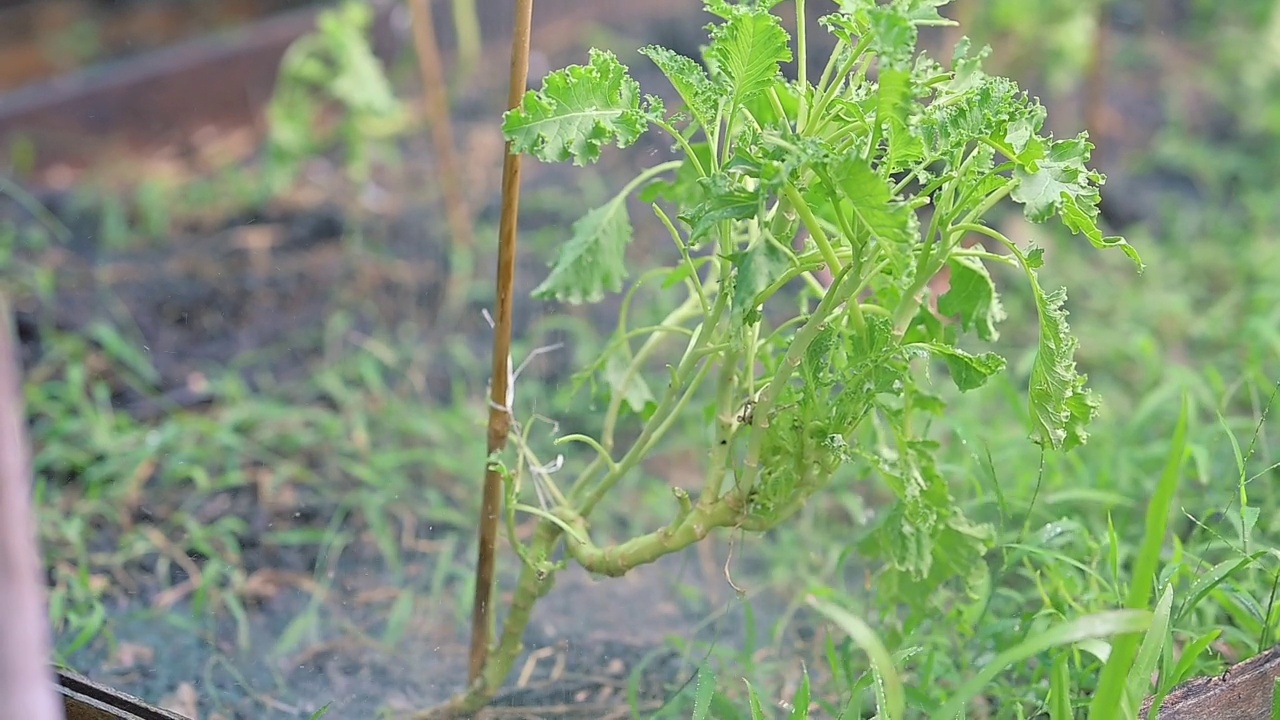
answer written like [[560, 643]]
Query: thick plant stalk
[[27, 687], [500, 388], [436, 103], [532, 585]]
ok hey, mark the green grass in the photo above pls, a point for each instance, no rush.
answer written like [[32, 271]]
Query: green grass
[[1150, 556], [354, 442], [1186, 360]]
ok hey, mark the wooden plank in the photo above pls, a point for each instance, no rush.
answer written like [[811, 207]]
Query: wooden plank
[[83, 699], [1242, 693]]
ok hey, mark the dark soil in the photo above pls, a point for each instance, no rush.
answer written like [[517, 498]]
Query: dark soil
[[590, 646], [268, 279]]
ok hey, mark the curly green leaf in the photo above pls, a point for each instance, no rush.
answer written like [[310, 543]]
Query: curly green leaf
[[972, 298], [968, 371], [700, 95], [579, 110], [592, 262], [749, 48]]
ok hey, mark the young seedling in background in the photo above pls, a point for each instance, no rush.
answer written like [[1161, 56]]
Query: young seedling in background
[[332, 67], [883, 164], [466, 28], [335, 67]]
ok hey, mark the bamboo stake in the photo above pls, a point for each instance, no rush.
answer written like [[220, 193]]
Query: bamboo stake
[[499, 410]]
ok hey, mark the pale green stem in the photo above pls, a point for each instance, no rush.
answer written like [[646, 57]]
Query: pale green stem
[[753, 345], [991, 233], [653, 431], [680, 377], [814, 227], [911, 174], [827, 71], [684, 256], [648, 174], [684, 146], [800, 269], [687, 310], [986, 205], [926, 265], [652, 330], [824, 245], [911, 300], [688, 528], [529, 459], [802, 60], [536, 580], [842, 287], [776, 103], [820, 108], [725, 397], [593, 444], [692, 353], [545, 515], [984, 255]]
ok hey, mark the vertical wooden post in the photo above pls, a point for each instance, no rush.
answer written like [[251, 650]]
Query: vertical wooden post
[[27, 687], [499, 412]]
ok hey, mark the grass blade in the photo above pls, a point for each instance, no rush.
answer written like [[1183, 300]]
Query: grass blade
[[1190, 653], [706, 687], [1149, 653], [890, 697], [1098, 625], [398, 618], [800, 703], [1113, 680], [1212, 579], [1060, 689], [757, 710]]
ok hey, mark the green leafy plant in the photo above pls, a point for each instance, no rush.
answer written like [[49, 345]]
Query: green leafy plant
[[810, 218], [331, 91]]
